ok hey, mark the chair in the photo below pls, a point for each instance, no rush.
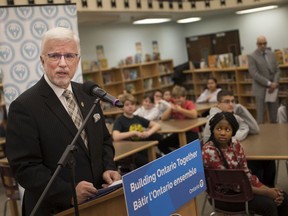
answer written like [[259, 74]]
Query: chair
[[11, 188], [231, 186]]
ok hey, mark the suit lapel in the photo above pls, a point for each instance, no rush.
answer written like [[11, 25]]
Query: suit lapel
[[57, 108]]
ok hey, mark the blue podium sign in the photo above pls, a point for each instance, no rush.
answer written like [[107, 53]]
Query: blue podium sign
[[166, 184]]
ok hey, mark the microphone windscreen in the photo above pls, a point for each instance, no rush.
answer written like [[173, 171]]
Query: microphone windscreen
[[88, 87]]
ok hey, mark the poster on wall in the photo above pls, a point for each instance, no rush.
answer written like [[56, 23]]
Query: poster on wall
[[21, 30]]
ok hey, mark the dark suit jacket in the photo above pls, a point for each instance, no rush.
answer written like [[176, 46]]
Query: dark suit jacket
[[39, 129], [261, 72]]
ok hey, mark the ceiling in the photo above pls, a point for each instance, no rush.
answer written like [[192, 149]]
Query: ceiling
[[122, 17]]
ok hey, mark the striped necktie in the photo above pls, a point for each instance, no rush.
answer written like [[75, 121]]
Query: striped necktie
[[75, 114]]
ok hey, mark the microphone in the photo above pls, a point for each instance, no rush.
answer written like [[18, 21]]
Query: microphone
[[93, 89]]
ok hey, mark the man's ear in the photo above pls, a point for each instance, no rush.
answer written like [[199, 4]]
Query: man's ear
[[42, 60]]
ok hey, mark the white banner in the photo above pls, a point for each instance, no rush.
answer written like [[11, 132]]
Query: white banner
[[21, 30]]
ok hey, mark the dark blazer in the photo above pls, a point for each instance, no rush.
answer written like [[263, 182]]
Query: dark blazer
[[261, 72], [38, 131]]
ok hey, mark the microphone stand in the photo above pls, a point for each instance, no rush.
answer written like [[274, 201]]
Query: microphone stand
[[67, 157]]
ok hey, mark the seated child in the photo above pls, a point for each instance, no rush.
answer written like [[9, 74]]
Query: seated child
[[161, 104], [209, 95], [134, 128], [282, 113], [180, 109], [223, 152], [148, 109], [167, 96], [226, 103]]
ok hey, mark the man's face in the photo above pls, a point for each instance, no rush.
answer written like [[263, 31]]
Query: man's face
[[227, 104], [262, 44], [61, 70]]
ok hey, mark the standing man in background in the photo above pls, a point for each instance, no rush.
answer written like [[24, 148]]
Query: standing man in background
[[45, 119], [265, 72]]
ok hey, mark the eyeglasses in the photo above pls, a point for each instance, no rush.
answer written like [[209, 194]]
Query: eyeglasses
[[228, 101], [264, 43], [56, 57]]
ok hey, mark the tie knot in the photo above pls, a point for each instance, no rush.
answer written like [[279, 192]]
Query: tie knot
[[67, 93]]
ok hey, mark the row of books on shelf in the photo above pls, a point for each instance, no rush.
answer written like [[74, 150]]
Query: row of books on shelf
[[226, 60], [130, 74], [164, 69]]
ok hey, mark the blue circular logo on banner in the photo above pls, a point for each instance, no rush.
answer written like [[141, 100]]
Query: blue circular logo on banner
[[7, 53], [39, 69], [14, 30], [19, 72], [49, 11], [38, 28], [24, 13], [29, 50], [70, 10], [3, 14], [11, 92], [63, 22]]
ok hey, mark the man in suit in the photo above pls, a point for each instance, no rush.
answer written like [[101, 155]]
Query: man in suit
[[40, 127], [263, 68]]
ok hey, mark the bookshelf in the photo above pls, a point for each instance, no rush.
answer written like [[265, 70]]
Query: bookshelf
[[137, 79], [236, 79]]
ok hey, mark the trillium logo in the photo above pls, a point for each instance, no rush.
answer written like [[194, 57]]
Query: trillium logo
[[24, 13], [30, 50], [70, 10], [19, 72], [38, 28], [14, 30], [63, 22], [49, 12], [6, 53], [11, 92]]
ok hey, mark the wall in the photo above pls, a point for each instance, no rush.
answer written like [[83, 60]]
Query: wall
[[119, 40], [272, 24]]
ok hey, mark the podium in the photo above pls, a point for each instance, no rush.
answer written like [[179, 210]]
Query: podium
[[114, 204]]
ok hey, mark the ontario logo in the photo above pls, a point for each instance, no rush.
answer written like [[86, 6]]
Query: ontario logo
[[25, 13]]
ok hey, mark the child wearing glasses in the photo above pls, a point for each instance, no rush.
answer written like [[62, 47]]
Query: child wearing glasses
[[226, 103], [223, 152]]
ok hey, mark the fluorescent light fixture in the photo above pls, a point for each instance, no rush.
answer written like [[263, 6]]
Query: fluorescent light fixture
[[189, 20], [152, 21], [253, 10]]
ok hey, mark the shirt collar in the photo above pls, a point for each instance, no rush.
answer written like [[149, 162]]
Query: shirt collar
[[58, 91]]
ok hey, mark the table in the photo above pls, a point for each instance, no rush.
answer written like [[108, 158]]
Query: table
[[126, 148], [202, 107], [270, 144], [181, 127], [113, 111]]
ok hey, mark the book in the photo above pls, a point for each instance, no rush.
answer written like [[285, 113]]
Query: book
[[243, 60], [285, 55], [225, 60], [103, 191], [279, 56], [212, 61]]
